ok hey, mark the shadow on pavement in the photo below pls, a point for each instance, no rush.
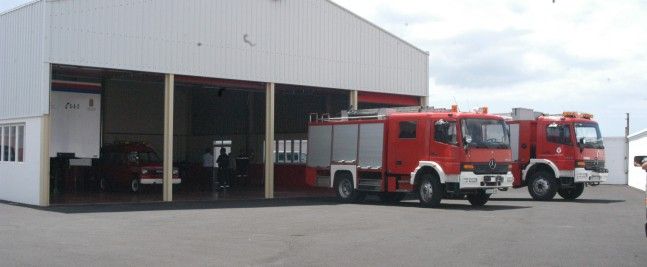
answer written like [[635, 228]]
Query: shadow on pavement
[[589, 201], [239, 204], [188, 205]]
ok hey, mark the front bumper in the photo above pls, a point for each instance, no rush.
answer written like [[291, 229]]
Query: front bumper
[[583, 176], [158, 181], [470, 180]]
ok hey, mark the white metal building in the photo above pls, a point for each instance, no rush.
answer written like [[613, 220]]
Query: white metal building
[[637, 147], [310, 43]]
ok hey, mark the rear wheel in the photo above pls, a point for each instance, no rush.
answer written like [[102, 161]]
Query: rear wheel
[[479, 199], [345, 189], [572, 192], [542, 186], [135, 185], [429, 191]]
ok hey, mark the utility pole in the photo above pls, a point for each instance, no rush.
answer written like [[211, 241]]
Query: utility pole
[[627, 147]]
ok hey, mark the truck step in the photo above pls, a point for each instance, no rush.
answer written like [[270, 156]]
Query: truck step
[[370, 185], [323, 181]]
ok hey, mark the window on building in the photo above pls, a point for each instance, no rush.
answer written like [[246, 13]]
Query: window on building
[[291, 151], [559, 133], [408, 129], [12, 143]]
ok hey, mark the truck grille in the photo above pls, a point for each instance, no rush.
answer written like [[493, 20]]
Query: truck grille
[[594, 165], [484, 168]]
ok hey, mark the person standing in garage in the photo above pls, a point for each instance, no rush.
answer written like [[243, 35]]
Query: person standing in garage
[[223, 168], [208, 170]]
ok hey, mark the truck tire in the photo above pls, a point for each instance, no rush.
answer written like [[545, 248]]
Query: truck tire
[[429, 191], [392, 197], [345, 190], [135, 185], [572, 192], [479, 199], [543, 186]]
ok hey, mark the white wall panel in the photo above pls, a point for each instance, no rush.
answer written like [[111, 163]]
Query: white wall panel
[[302, 42], [20, 181], [23, 91], [614, 152]]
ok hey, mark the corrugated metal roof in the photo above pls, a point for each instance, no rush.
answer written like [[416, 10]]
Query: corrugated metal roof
[[307, 42], [638, 135], [20, 7]]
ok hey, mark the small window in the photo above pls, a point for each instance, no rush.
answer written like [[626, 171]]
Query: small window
[[560, 134], [20, 145], [291, 151], [408, 129], [445, 132], [12, 143]]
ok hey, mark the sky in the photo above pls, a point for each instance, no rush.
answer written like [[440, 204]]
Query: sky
[[571, 55]]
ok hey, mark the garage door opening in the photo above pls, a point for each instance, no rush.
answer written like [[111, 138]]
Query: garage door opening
[[218, 138], [106, 142]]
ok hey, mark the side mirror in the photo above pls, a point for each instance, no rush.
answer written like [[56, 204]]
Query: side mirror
[[467, 140], [640, 160]]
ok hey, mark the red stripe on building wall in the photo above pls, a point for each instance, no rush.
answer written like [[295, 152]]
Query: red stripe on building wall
[[390, 99], [220, 82]]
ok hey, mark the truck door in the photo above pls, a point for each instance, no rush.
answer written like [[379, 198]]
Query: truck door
[[404, 145], [557, 145], [445, 147]]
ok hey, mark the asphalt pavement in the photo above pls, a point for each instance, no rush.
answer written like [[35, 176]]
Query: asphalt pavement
[[604, 228]]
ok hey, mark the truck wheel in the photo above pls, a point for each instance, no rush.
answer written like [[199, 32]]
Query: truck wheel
[[542, 186], [392, 197], [572, 192], [429, 191], [345, 189], [479, 199], [135, 186]]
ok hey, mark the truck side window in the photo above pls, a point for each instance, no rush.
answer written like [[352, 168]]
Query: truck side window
[[445, 132], [560, 134], [408, 129]]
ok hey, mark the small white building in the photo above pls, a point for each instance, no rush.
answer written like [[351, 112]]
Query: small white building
[[615, 149], [637, 147]]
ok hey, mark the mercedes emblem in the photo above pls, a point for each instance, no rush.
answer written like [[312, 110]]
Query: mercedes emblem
[[492, 164]]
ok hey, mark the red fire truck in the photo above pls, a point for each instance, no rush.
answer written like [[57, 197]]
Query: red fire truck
[[556, 154], [434, 153]]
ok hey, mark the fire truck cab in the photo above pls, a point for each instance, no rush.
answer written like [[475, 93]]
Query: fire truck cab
[[556, 154], [434, 153]]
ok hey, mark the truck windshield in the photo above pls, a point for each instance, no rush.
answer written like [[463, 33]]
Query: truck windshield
[[588, 135], [483, 133]]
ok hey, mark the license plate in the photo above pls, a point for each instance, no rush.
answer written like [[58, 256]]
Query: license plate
[[595, 178], [490, 191]]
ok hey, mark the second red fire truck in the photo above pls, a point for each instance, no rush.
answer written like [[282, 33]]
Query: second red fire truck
[[433, 153], [558, 154]]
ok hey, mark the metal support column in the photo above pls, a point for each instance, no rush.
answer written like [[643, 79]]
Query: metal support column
[[44, 161], [423, 101], [169, 91], [354, 99], [269, 140]]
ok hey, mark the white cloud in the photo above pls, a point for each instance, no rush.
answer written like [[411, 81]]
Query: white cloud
[[587, 55]]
